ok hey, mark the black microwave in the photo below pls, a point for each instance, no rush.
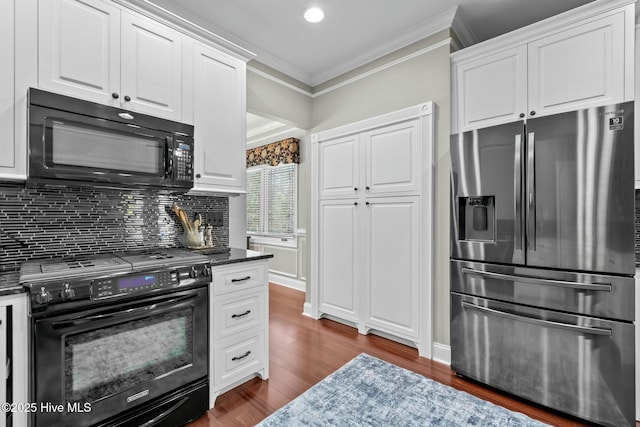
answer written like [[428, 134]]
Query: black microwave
[[84, 142]]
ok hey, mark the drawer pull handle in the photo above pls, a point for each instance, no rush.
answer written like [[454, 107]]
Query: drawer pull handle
[[236, 358], [240, 280], [235, 316]]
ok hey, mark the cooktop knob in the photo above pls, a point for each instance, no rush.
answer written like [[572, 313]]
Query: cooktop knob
[[206, 271], [193, 273], [67, 292], [43, 297]]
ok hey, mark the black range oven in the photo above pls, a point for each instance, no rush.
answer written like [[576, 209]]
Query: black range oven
[[123, 343]]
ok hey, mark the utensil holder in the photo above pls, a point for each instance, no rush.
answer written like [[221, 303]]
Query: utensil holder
[[193, 239]]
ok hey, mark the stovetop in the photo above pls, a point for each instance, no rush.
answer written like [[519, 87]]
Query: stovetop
[[94, 265]]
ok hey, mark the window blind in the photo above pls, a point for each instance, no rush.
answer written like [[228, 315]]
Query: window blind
[[272, 199]]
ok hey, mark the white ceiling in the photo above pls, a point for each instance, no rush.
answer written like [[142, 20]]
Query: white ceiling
[[353, 32]]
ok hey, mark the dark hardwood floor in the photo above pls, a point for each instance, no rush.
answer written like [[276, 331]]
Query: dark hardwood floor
[[303, 351]]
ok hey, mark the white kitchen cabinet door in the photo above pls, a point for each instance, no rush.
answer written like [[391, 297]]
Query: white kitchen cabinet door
[[578, 68], [79, 49], [393, 158], [338, 259], [220, 121], [151, 67], [392, 249], [339, 167], [9, 164], [491, 90]]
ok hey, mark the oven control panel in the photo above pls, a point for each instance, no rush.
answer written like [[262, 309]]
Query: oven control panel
[[107, 287], [110, 286]]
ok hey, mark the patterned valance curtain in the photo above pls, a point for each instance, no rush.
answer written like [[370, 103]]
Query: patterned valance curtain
[[285, 151]]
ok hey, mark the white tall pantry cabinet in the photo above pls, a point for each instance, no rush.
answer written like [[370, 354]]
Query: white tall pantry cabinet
[[371, 218]]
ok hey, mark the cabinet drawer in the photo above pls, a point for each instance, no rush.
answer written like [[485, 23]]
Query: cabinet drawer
[[235, 314], [237, 358], [238, 278]]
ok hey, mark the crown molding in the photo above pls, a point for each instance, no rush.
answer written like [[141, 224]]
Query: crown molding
[[541, 28], [412, 35], [462, 30], [178, 23]]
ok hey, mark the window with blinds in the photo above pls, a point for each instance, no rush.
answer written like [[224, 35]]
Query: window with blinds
[[272, 199]]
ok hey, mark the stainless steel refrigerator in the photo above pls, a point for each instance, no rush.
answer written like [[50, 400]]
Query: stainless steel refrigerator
[[542, 261]]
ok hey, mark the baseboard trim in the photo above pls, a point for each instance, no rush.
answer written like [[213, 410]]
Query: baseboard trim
[[441, 353], [306, 310], [288, 282]]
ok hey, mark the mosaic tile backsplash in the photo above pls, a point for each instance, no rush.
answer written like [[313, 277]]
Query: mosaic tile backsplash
[[47, 222]]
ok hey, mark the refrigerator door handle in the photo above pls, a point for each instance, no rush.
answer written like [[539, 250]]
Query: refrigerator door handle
[[517, 192], [531, 190], [604, 287], [546, 323]]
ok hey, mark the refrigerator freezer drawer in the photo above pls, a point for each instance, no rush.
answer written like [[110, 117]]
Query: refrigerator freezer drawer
[[595, 295], [578, 365]]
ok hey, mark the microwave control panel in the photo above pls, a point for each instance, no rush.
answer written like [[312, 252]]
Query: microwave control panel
[[183, 160]]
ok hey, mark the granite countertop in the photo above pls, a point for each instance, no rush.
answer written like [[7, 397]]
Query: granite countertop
[[10, 284], [235, 255]]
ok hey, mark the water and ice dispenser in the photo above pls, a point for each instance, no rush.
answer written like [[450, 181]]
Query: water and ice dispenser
[[477, 218]]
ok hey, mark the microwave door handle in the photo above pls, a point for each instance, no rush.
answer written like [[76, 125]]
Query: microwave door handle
[[168, 156]]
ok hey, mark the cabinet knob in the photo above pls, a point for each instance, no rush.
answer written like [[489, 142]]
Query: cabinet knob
[[115, 95], [521, 115], [532, 113], [367, 188], [355, 188], [355, 203], [198, 175], [367, 203], [127, 98]]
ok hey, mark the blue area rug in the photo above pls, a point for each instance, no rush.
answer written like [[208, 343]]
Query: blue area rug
[[371, 392]]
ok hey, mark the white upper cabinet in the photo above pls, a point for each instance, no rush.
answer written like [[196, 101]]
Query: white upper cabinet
[[12, 164], [95, 51], [79, 49], [578, 67], [220, 121], [492, 89], [576, 60], [151, 67]]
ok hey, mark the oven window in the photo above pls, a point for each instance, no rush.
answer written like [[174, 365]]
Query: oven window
[[102, 362], [108, 150]]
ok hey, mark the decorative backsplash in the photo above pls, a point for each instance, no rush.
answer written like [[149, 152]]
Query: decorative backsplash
[[47, 222]]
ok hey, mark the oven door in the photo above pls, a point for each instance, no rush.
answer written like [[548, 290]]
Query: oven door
[[69, 146], [98, 364]]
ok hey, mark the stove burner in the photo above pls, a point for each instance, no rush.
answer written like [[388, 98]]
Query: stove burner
[[100, 264]]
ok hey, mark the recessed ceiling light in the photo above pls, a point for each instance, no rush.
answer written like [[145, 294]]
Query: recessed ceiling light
[[314, 14]]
